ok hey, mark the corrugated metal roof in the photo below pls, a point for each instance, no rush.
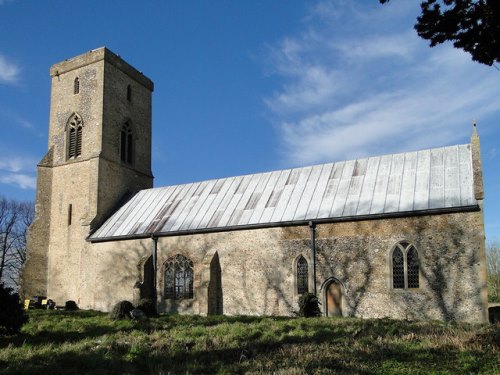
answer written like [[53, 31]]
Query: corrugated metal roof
[[432, 179]]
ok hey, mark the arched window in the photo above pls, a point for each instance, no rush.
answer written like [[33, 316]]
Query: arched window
[[178, 278], [302, 276], [74, 129], [126, 144], [76, 86], [129, 93], [405, 266]]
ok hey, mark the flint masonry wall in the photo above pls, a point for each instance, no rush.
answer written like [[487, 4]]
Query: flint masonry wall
[[258, 268]]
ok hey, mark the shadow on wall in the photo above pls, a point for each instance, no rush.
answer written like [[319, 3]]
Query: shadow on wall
[[261, 284], [123, 275], [261, 278], [450, 274], [131, 270], [448, 291], [351, 264]]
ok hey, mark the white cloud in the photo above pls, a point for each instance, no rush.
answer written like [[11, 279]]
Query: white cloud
[[18, 171], [377, 47], [353, 86], [9, 72], [314, 85], [16, 163], [21, 180]]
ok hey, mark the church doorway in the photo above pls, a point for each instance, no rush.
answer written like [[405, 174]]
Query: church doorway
[[333, 299]]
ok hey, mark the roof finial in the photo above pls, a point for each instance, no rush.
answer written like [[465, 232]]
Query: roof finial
[[474, 128]]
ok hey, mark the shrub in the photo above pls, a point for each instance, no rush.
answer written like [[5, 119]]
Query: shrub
[[494, 288], [121, 310], [148, 307], [138, 315], [309, 305], [70, 305], [12, 316]]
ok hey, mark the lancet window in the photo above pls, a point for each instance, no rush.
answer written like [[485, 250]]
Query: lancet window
[[126, 144], [405, 266], [129, 93], [76, 86], [302, 276]]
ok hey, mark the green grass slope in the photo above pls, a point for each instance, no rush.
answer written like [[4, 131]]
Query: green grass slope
[[87, 342]]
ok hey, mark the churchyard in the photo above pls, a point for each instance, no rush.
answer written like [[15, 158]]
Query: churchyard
[[79, 342]]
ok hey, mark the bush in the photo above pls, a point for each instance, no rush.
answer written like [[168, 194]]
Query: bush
[[138, 315], [494, 288], [121, 310], [309, 305], [70, 305], [12, 316], [148, 307]]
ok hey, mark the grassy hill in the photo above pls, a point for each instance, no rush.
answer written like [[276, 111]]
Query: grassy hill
[[56, 342]]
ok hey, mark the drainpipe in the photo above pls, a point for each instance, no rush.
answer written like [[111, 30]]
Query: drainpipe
[[154, 253], [312, 230]]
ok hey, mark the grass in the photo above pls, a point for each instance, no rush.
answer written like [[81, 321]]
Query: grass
[[80, 342]]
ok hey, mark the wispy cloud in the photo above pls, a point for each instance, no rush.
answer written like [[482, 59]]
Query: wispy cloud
[[18, 171], [2, 2], [13, 119], [23, 181], [16, 163], [9, 72], [365, 88]]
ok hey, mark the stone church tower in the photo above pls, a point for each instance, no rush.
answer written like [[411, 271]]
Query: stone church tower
[[99, 152]]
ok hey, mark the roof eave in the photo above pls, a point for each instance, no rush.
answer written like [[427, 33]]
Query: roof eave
[[388, 215]]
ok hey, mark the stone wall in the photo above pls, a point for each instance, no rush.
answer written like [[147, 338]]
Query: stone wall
[[258, 268]]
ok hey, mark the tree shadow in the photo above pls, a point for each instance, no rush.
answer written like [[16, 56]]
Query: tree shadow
[[450, 269]]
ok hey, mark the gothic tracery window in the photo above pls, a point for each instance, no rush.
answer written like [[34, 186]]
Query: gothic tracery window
[[302, 276], [126, 144], [179, 278], [75, 129], [405, 266]]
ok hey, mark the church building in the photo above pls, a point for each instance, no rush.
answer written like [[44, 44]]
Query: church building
[[399, 235]]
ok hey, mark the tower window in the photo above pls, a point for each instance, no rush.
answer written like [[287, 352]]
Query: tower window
[[76, 86], [129, 93], [179, 278], [126, 144], [75, 130], [302, 276], [405, 266]]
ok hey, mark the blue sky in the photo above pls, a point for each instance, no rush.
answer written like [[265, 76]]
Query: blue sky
[[251, 86]]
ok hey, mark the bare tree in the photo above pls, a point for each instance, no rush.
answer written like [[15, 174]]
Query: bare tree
[[493, 266], [15, 218]]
